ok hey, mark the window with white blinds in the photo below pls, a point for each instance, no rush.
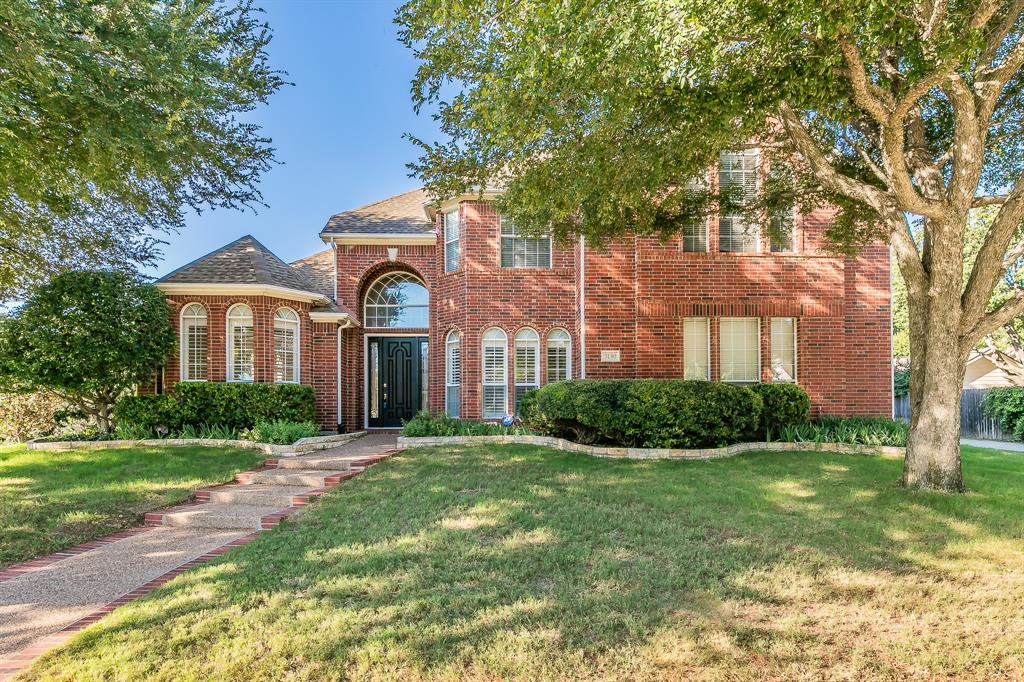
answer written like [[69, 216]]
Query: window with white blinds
[[737, 177], [527, 346], [519, 251], [286, 346], [195, 343], [782, 231], [495, 374], [240, 356], [740, 349], [453, 374], [695, 233], [452, 247], [696, 349], [783, 349], [559, 355]]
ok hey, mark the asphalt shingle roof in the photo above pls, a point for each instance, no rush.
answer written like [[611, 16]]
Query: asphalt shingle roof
[[243, 261], [400, 214], [318, 269]]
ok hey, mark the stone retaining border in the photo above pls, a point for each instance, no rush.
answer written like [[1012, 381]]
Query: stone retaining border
[[300, 446], [653, 453]]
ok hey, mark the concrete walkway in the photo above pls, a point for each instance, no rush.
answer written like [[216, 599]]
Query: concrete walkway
[[46, 599], [994, 444]]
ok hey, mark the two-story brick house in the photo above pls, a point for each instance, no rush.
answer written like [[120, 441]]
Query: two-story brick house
[[442, 305]]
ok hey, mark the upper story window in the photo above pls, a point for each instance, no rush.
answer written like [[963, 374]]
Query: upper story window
[[519, 251], [737, 174], [240, 355], [397, 299], [453, 374], [559, 355], [695, 234], [782, 231], [452, 248], [194, 343], [286, 346]]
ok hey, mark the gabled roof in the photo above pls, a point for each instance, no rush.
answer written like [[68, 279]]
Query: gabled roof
[[318, 269], [243, 261], [400, 215]]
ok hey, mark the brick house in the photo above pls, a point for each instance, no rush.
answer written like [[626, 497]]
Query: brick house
[[442, 305]]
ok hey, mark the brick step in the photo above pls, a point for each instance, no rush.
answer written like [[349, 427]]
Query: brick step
[[255, 494], [310, 478], [221, 516]]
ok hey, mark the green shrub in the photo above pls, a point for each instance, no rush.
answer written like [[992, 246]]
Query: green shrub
[[426, 425], [784, 405], [664, 413], [901, 382], [234, 406], [852, 430], [1006, 405], [24, 416], [280, 431]]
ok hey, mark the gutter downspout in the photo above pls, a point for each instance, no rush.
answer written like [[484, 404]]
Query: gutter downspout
[[337, 337], [583, 308]]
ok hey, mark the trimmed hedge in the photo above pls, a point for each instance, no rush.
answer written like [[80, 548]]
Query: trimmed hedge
[[661, 413], [232, 405]]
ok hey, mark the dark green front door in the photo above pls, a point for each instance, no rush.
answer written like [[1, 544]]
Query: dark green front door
[[396, 379]]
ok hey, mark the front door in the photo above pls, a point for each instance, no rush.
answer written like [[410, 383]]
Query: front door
[[396, 379]]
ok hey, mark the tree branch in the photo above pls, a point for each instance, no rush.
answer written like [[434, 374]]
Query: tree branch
[[988, 200], [988, 266], [999, 317]]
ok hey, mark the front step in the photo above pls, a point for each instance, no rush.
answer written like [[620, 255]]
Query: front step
[[256, 494], [335, 463], [220, 516], [310, 478]]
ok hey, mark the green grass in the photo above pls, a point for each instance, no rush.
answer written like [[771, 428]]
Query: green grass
[[524, 563], [53, 500]]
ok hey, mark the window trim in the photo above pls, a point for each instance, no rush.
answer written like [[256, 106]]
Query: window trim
[[759, 233], [501, 243], [457, 240], [297, 352], [757, 345], [707, 346], [523, 338], [503, 344], [183, 344], [230, 345], [568, 353], [796, 350], [452, 339]]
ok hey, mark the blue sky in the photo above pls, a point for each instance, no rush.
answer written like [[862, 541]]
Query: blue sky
[[338, 129]]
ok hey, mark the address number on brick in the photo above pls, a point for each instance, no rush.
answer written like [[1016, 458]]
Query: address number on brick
[[610, 356]]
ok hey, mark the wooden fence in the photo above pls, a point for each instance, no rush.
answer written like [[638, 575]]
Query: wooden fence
[[973, 422]]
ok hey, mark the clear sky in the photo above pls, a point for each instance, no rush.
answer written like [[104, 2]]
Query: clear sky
[[337, 130]]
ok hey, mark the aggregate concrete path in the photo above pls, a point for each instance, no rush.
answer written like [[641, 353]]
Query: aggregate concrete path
[[36, 604]]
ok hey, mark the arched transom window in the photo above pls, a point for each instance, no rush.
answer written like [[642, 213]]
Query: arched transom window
[[286, 346], [397, 299], [240, 358], [194, 343]]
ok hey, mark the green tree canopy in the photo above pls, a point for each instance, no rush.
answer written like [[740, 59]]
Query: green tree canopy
[[595, 115], [116, 116], [87, 336]]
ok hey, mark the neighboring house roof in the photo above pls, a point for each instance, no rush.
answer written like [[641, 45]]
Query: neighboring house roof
[[403, 214], [984, 370], [318, 269]]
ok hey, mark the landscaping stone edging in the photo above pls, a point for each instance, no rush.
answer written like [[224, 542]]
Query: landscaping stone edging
[[653, 453], [300, 446]]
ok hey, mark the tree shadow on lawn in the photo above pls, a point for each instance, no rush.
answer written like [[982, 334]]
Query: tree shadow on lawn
[[481, 557]]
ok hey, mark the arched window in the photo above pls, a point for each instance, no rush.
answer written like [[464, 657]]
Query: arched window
[[397, 299], [527, 362], [559, 355], [240, 366], [286, 346], [195, 345], [453, 374], [495, 374]]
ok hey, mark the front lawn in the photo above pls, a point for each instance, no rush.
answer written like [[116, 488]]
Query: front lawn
[[526, 563], [53, 500]]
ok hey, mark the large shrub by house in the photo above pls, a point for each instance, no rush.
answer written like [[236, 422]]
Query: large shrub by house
[[662, 413], [235, 406]]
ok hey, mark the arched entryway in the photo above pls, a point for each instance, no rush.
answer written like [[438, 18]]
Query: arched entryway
[[396, 320]]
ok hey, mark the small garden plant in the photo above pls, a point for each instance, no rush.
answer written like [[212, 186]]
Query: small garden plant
[[425, 425]]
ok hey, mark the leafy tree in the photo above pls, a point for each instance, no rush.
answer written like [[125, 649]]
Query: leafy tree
[[115, 117], [593, 115], [87, 336]]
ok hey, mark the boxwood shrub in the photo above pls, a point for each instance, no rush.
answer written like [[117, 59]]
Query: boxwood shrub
[[665, 413], [232, 405]]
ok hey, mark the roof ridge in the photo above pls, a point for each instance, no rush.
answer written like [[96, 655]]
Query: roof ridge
[[312, 255]]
